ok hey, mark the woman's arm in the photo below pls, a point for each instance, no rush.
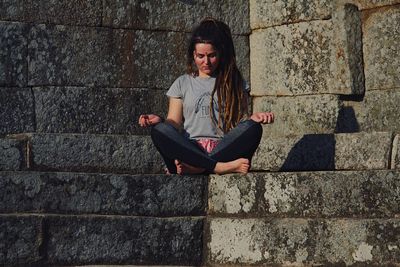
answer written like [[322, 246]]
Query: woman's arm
[[175, 112]]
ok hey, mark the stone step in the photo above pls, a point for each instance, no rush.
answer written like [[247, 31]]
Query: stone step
[[304, 242], [373, 193], [136, 154], [53, 240], [80, 153], [96, 193], [350, 151]]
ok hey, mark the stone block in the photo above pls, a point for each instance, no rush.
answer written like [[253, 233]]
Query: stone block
[[17, 113], [356, 151], [104, 57], [368, 4], [95, 153], [306, 194], [381, 39], [300, 114], [83, 193], [242, 49], [377, 111], [124, 240], [13, 54], [13, 154], [177, 16], [301, 242], [95, 110], [20, 240], [267, 13], [72, 12], [395, 160]]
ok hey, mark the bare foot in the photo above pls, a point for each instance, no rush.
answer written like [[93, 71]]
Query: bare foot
[[241, 165], [184, 168]]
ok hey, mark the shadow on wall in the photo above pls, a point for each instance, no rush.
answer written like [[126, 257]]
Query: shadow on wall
[[316, 152]]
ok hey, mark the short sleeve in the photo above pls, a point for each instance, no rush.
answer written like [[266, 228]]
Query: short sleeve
[[176, 89]]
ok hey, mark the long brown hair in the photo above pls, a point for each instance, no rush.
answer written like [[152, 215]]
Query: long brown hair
[[232, 99]]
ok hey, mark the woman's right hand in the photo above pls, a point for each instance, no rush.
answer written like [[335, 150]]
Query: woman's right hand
[[146, 120]]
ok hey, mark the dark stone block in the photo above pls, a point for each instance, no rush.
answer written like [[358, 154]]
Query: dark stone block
[[20, 240], [105, 240], [143, 195], [16, 110], [13, 54], [95, 110], [12, 155]]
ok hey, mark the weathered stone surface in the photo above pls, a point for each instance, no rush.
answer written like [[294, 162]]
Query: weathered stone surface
[[267, 13], [381, 38], [304, 241], [177, 16], [360, 151], [104, 57], [242, 49], [357, 151], [300, 114], [12, 154], [95, 110], [309, 57], [311, 194], [395, 161], [20, 240], [140, 240], [97, 153], [16, 110], [82, 193], [366, 4], [13, 54], [377, 111], [72, 12]]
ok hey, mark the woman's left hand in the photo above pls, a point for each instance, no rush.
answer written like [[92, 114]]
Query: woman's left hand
[[263, 117]]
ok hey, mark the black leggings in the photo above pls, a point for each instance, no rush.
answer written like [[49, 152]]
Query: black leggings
[[241, 142]]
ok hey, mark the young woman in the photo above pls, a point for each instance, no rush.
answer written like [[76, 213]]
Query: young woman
[[208, 129]]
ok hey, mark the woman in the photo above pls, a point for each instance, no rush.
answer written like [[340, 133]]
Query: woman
[[200, 135]]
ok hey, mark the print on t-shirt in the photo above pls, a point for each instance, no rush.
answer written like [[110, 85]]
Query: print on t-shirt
[[203, 105]]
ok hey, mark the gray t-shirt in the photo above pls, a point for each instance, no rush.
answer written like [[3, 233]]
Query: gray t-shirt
[[195, 93]]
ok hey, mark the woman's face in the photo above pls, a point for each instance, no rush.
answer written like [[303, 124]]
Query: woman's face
[[206, 59]]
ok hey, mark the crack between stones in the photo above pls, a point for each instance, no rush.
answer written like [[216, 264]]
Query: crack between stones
[[288, 23]]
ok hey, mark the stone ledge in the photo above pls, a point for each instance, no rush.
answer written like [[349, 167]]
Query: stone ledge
[[306, 194], [84, 193], [95, 153], [346, 151], [304, 241]]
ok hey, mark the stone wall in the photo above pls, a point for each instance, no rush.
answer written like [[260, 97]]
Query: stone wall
[[81, 183]]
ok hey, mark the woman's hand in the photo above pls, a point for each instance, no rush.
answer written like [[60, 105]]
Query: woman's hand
[[263, 117], [147, 120]]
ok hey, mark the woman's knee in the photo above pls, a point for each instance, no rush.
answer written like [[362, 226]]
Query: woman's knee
[[253, 127]]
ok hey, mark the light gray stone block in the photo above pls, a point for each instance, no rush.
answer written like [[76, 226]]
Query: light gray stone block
[[267, 13], [124, 240], [304, 241], [13, 54], [381, 39], [83, 193], [311, 194], [395, 160], [369, 4], [104, 57], [316, 57], [96, 110], [72, 12], [300, 114], [95, 153], [17, 113], [20, 240], [377, 111], [12, 154]]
